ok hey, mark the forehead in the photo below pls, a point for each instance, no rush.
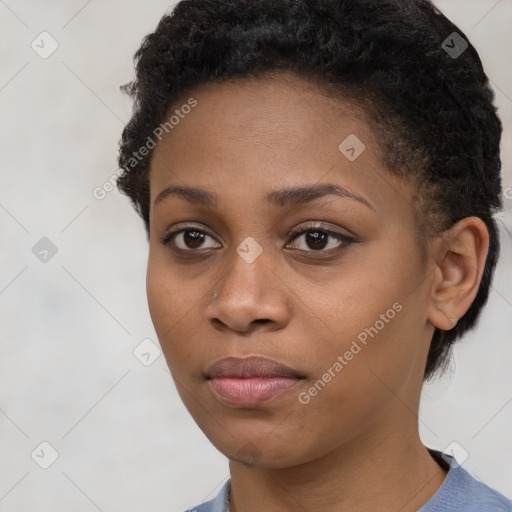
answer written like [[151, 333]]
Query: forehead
[[266, 109], [248, 136]]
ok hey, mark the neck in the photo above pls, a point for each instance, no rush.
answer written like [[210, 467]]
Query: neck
[[384, 469]]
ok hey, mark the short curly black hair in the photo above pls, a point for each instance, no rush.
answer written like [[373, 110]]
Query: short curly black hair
[[413, 71]]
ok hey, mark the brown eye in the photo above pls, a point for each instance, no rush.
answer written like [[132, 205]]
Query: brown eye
[[187, 239], [318, 240], [191, 239]]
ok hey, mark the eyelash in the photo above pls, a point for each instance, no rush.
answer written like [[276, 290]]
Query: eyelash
[[346, 241]]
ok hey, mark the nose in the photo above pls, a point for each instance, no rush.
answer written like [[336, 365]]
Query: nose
[[250, 295]]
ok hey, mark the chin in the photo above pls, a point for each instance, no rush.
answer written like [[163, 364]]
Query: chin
[[271, 453]]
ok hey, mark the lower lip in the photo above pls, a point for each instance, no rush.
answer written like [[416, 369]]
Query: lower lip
[[249, 391]]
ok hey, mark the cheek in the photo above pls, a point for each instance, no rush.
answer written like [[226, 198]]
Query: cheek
[[160, 296], [166, 307], [168, 299], [375, 324], [345, 397], [176, 307]]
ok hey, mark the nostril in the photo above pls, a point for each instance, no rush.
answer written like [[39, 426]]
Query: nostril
[[261, 321]]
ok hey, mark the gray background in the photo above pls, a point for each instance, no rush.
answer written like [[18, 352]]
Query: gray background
[[69, 325]]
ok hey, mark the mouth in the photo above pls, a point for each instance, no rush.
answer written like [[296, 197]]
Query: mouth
[[247, 382]]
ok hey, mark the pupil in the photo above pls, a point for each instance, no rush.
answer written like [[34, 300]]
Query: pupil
[[315, 236], [195, 239]]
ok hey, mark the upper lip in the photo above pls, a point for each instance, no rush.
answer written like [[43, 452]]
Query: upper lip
[[252, 366]]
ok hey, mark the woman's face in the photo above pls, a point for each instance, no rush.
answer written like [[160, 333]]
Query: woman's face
[[347, 314]]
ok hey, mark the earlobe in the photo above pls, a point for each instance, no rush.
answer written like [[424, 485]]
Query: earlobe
[[441, 320], [459, 255], [453, 322]]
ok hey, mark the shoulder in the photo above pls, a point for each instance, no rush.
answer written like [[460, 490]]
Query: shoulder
[[462, 492], [218, 504], [476, 495]]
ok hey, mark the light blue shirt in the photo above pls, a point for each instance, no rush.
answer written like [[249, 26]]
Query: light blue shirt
[[460, 492]]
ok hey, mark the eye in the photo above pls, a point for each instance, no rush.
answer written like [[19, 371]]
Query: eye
[[191, 239], [318, 239], [186, 239]]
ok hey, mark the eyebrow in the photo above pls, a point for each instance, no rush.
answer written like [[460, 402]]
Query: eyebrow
[[277, 198]]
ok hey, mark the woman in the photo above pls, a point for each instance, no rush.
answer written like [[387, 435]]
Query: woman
[[318, 180]]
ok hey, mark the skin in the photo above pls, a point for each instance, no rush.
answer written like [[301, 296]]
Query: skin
[[355, 445]]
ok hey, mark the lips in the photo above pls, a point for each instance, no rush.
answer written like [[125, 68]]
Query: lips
[[247, 382], [253, 366]]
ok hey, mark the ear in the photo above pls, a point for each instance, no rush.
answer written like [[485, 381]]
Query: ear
[[459, 253]]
